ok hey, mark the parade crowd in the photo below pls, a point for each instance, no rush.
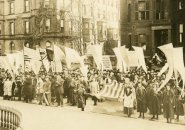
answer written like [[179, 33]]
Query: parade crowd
[[140, 90]]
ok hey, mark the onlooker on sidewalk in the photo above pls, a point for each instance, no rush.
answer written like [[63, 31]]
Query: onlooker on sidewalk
[[141, 100]]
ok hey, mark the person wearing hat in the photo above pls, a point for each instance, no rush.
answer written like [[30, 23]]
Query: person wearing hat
[[59, 90], [94, 89], [19, 87], [128, 101], [141, 100], [7, 88], [168, 103], [155, 101], [81, 97], [40, 89], [47, 90], [27, 89]]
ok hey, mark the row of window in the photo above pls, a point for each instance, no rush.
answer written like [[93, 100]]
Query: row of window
[[142, 10], [181, 32], [27, 27], [12, 27], [26, 5]]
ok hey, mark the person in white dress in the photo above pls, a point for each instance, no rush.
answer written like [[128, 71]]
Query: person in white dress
[[8, 88]]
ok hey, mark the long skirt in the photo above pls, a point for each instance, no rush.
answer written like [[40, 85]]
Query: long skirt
[[128, 110]]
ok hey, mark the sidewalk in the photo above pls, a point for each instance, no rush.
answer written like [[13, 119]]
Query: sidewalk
[[116, 109]]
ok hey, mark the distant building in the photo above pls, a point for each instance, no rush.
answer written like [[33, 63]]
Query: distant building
[[101, 19], [72, 23], [178, 23], [146, 23]]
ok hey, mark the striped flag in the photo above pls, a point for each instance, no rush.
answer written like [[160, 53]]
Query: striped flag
[[111, 91]]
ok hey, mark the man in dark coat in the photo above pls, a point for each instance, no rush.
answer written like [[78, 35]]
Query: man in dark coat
[[168, 103], [141, 100], [19, 87], [59, 90], [155, 103], [27, 89], [67, 87]]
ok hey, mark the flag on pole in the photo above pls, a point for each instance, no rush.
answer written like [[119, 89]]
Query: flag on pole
[[50, 54], [168, 51], [141, 57], [121, 65], [73, 56]]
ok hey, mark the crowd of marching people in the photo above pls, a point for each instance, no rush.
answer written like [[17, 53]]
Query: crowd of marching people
[[140, 90]]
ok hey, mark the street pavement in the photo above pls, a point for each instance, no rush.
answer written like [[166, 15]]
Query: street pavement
[[106, 116]]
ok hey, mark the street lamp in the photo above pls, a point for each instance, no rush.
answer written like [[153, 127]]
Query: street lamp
[[12, 47], [130, 41]]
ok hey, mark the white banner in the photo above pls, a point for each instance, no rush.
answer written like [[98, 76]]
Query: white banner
[[106, 63], [121, 65], [124, 54], [164, 69], [179, 62], [16, 60], [73, 56], [168, 51], [141, 57], [133, 59], [97, 55]]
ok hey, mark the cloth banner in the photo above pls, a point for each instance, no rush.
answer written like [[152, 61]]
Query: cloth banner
[[16, 61], [121, 65], [164, 69], [168, 51], [124, 54], [111, 91], [32, 54], [133, 59], [4, 63], [97, 55], [106, 63], [58, 54], [84, 71], [179, 62], [34, 63], [50, 54], [35, 66], [73, 56], [141, 57]]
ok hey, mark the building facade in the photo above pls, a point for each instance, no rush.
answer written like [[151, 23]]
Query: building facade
[[72, 23], [146, 23], [101, 20], [36, 22], [178, 22]]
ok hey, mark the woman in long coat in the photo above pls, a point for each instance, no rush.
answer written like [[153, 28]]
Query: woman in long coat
[[59, 90], [128, 102], [141, 99], [94, 88], [40, 90], [168, 103], [155, 101], [27, 89]]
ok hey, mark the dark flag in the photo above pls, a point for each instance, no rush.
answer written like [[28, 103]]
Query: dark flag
[[50, 54]]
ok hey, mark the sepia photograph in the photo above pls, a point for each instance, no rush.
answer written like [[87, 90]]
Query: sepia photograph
[[92, 64]]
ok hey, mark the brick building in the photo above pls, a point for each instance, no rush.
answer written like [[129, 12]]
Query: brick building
[[72, 23], [36, 22], [178, 22], [146, 23]]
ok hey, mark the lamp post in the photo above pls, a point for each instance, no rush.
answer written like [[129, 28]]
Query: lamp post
[[130, 41], [12, 47]]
